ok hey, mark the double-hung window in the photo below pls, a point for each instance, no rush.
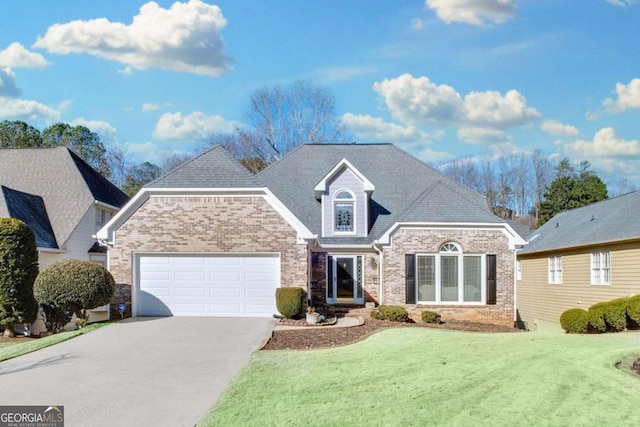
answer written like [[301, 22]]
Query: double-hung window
[[601, 268], [450, 277], [344, 212], [555, 270]]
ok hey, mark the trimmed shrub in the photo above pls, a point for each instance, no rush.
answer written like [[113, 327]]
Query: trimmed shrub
[[615, 314], [394, 313], [596, 317], [73, 286], [633, 311], [18, 271], [289, 301], [430, 317], [575, 321]]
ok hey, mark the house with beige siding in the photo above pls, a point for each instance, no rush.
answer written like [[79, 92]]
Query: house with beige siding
[[349, 223], [580, 257], [63, 200]]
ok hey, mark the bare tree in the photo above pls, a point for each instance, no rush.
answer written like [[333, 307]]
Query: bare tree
[[543, 174], [281, 118]]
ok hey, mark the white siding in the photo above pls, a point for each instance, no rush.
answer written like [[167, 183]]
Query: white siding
[[345, 179]]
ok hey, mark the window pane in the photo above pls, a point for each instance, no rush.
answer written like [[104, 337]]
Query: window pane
[[344, 195], [426, 278], [472, 279], [449, 278], [344, 216]]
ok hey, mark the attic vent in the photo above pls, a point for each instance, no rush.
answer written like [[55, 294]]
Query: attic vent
[[592, 218], [557, 224]]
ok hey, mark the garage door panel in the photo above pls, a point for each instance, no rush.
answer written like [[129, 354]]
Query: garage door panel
[[207, 285]]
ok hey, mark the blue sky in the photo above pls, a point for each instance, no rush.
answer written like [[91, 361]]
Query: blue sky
[[439, 78]]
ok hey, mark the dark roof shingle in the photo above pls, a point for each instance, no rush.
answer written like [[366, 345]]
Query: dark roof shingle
[[30, 209]]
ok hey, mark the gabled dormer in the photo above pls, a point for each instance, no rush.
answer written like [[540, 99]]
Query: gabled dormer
[[344, 194]]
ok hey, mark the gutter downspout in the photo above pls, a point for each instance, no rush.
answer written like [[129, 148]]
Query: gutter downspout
[[309, 268], [380, 270], [515, 286]]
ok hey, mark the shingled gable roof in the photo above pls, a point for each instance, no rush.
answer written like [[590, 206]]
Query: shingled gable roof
[[606, 221], [29, 209], [65, 183], [214, 168], [406, 189]]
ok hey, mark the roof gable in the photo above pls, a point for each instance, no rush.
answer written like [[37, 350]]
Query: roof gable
[[30, 209], [66, 184], [606, 221], [214, 168], [400, 181], [321, 187]]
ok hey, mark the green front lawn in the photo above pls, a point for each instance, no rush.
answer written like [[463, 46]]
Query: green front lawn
[[9, 351], [421, 376]]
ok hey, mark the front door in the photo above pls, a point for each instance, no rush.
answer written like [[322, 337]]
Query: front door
[[346, 287]]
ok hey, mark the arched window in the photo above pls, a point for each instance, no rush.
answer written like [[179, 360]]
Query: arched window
[[450, 277], [344, 211]]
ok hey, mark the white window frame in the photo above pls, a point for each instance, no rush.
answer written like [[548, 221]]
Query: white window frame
[[335, 202], [555, 270], [453, 249], [601, 268]]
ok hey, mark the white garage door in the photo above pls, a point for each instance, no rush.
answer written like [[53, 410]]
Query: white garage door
[[236, 286]]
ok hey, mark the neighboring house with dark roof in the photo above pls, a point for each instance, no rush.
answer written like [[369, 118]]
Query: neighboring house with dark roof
[[349, 223], [580, 257], [62, 199]]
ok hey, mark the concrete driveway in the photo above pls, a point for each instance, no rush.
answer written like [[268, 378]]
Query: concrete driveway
[[139, 372]]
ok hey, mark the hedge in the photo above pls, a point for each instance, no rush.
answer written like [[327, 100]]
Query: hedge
[[430, 317], [575, 321], [596, 317]]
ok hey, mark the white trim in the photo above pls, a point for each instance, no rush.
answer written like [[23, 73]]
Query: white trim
[[354, 274], [51, 250], [106, 235], [106, 205], [514, 238], [321, 187], [353, 202]]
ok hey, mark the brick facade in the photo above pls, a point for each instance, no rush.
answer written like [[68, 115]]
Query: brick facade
[[428, 241], [200, 224]]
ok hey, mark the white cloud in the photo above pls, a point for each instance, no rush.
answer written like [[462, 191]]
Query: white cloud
[[556, 128], [475, 135], [185, 37], [418, 101], [8, 86], [482, 115], [417, 24], [28, 111], [16, 56], [628, 97], [195, 126], [106, 132], [153, 106], [374, 128], [473, 12], [623, 3], [493, 109], [605, 144]]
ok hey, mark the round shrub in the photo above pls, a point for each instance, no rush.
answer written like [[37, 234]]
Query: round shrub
[[575, 321], [615, 314], [377, 314], [73, 286], [430, 317], [596, 317], [289, 301], [394, 313]]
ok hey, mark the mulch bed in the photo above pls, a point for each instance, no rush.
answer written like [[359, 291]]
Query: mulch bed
[[15, 340], [306, 339]]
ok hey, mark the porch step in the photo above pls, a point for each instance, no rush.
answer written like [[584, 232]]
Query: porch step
[[349, 310]]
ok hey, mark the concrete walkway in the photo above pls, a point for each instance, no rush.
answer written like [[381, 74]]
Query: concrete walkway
[[343, 322], [139, 372]]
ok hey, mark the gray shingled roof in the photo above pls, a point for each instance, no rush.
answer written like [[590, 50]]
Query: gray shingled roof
[[214, 168], [406, 189], [29, 209], [67, 187], [606, 221]]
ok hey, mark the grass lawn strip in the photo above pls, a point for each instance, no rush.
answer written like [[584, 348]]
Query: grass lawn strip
[[9, 351], [437, 377]]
